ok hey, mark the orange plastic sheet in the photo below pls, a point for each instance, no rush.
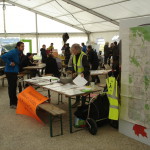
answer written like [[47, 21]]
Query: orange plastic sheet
[[28, 100]]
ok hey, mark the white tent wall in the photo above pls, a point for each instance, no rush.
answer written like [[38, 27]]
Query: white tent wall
[[107, 36], [58, 42], [48, 38]]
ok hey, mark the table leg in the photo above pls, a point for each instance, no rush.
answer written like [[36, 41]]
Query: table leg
[[70, 114], [58, 99], [49, 95], [61, 99]]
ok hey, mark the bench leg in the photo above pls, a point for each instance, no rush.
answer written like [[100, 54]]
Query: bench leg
[[51, 125]]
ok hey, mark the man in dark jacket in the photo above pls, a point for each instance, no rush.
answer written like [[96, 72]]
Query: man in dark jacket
[[115, 56], [12, 60], [94, 62], [80, 65], [43, 53], [51, 66], [28, 61], [106, 52], [67, 53]]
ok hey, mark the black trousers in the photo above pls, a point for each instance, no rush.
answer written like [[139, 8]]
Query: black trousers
[[94, 78], [12, 87], [105, 59]]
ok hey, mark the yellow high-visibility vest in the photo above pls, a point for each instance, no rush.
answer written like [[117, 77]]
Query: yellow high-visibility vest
[[112, 95], [78, 67]]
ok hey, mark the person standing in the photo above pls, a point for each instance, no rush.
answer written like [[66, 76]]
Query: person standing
[[50, 49], [80, 66], [115, 56], [111, 49], [84, 48], [12, 60], [94, 62], [106, 52], [43, 53], [67, 54]]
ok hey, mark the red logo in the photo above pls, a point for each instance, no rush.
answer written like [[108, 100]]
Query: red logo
[[138, 129]]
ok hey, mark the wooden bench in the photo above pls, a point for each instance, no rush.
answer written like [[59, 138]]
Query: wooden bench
[[53, 111], [20, 76], [2, 77]]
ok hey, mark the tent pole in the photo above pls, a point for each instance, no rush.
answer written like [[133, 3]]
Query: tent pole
[[37, 37], [88, 36], [4, 8]]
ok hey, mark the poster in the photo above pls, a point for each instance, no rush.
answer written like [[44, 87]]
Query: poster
[[28, 100], [135, 80]]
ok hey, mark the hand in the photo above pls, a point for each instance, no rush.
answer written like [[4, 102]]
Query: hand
[[12, 64], [82, 75], [74, 75]]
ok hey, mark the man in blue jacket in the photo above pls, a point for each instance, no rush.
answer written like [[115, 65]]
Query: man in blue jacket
[[12, 60]]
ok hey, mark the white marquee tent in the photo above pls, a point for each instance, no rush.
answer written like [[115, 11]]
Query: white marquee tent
[[46, 20]]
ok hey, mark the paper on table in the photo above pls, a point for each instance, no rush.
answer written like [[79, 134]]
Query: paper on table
[[72, 92], [35, 80], [50, 77], [64, 87], [53, 85], [44, 83], [85, 88], [80, 81]]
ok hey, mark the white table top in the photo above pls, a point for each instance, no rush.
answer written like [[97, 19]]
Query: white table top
[[41, 81], [71, 90], [68, 90]]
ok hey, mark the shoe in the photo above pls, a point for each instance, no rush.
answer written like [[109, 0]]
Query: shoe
[[13, 106], [76, 104]]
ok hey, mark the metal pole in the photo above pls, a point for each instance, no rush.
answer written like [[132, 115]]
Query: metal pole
[[88, 36], [70, 114], [4, 8], [37, 37]]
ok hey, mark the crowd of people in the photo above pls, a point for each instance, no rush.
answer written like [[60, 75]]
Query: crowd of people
[[79, 59]]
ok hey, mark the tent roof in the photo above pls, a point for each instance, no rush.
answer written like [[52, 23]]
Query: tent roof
[[87, 15]]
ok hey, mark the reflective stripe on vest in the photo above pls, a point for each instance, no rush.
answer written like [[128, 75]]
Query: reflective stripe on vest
[[112, 95], [78, 65]]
